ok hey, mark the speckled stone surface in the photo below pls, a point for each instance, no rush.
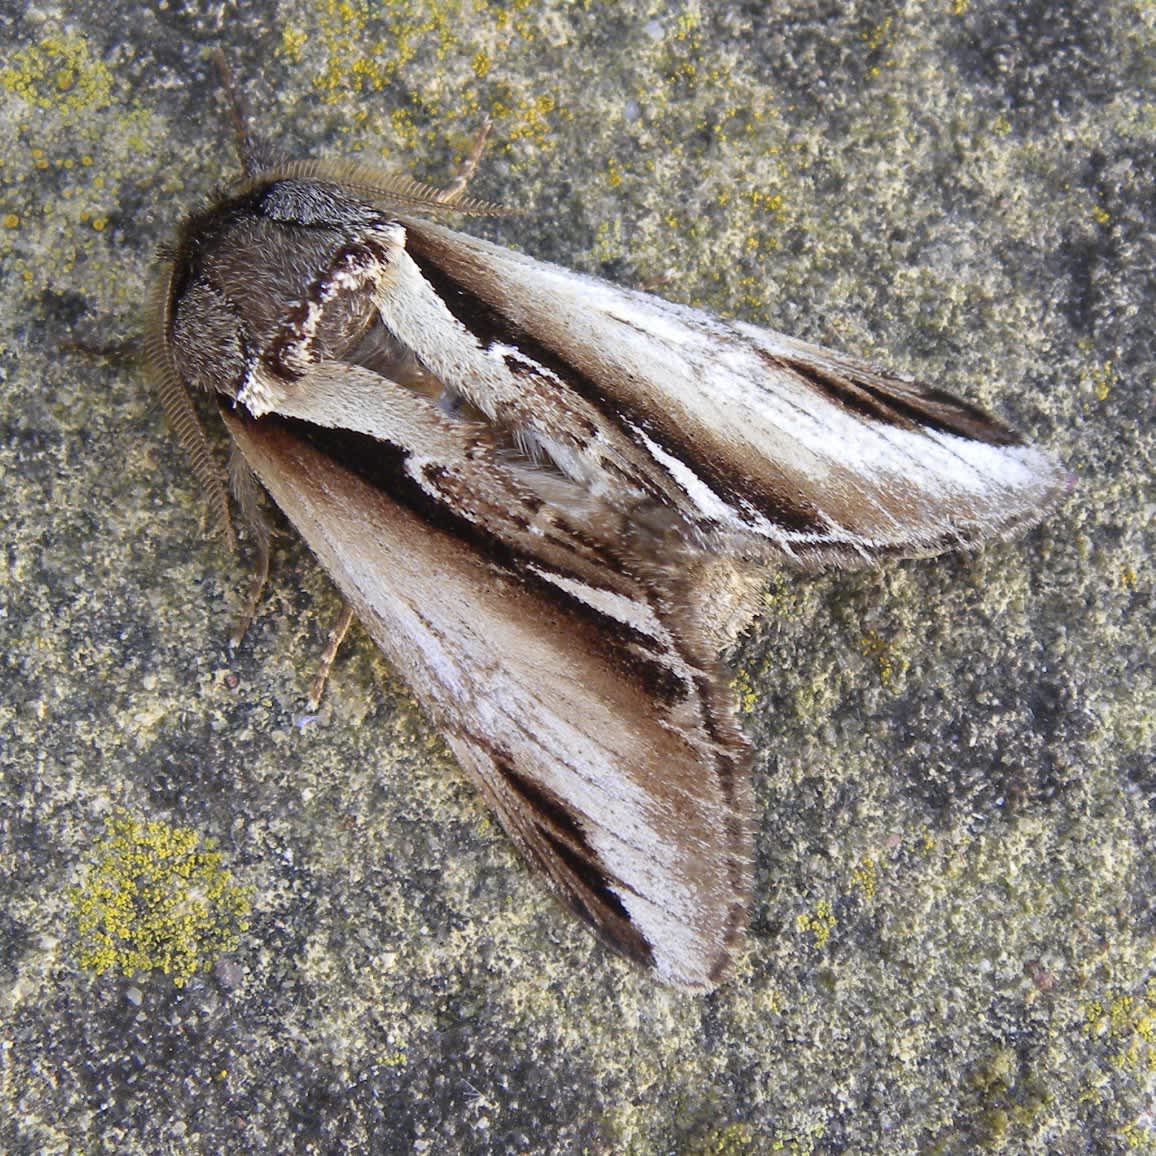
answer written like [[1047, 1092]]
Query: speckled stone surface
[[952, 936]]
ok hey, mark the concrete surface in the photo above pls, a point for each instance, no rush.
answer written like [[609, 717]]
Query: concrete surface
[[952, 938]]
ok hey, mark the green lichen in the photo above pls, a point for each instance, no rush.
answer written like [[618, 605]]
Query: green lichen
[[1007, 1098], [155, 897], [438, 60], [731, 1140], [742, 1139]]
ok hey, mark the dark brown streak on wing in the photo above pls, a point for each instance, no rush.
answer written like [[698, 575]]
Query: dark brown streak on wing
[[789, 510], [555, 824], [733, 771], [382, 465], [895, 402], [611, 917], [544, 804], [492, 327], [550, 834]]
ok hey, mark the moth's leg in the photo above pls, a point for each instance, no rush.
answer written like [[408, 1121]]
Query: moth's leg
[[332, 646], [126, 352], [454, 190], [247, 492]]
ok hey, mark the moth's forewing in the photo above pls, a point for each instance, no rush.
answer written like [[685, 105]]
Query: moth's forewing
[[770, 442]]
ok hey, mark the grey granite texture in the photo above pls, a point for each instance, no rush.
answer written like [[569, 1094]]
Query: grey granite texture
[[952, 935]]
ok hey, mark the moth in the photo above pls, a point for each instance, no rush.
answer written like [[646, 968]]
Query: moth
[[551, 501]]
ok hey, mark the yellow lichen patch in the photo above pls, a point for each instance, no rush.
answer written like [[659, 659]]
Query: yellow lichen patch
[[293, 41], [879, 40], [745, 692], [865, 876], [731, 1140], [874, 646], [438, 62], [876, 37], [156, 898], [58, 73], [502, 10], [608, 244], [1102, 378], [526, 118], [767, 203], [1126, 1024], [820, 921]]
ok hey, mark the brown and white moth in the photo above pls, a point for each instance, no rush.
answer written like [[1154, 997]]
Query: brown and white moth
[[549, 501]]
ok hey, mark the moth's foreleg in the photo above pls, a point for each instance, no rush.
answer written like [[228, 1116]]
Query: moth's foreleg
[[124, 352], [247, 491]]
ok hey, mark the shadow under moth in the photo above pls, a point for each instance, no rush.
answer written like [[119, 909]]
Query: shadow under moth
[[551, 500]]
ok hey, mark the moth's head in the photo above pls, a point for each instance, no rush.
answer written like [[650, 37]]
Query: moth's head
[[268, 281], [280, 272]]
